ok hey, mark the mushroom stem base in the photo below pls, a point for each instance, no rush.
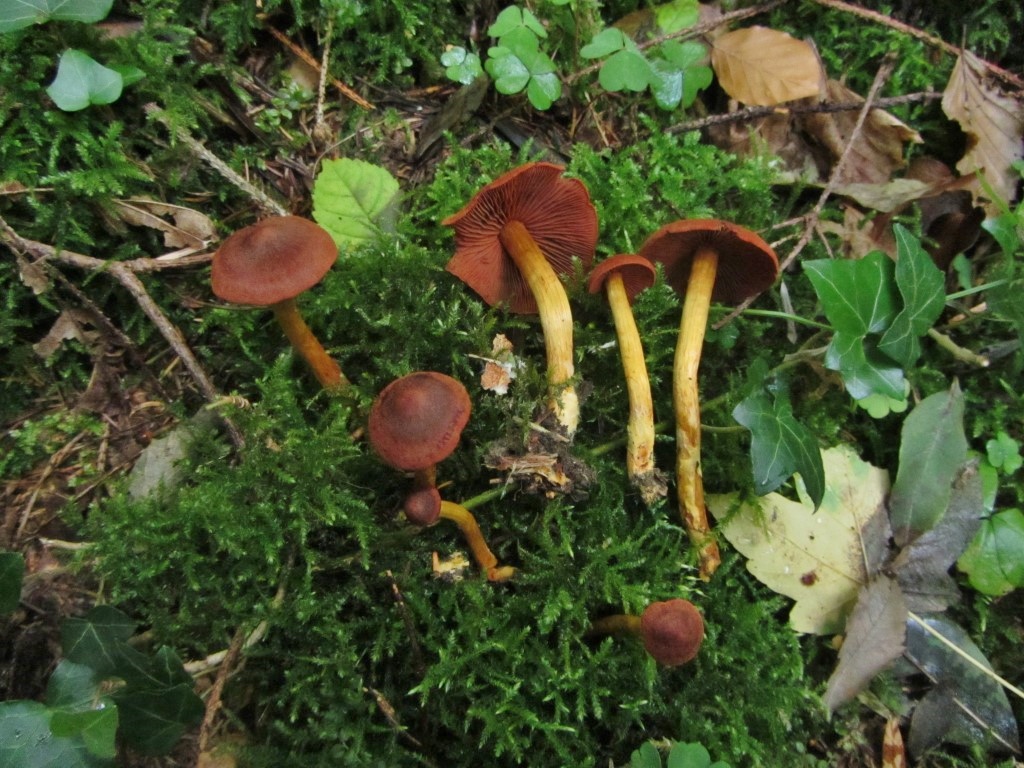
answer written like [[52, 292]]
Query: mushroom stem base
[[488, 563]]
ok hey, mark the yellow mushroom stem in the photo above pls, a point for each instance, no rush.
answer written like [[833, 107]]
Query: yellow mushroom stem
[[686, 399], [617, 624], [555, 320], [488, 563], [326, 370], [640, 428]]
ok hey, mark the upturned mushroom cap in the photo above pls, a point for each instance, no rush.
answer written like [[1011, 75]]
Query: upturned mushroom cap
[[746, 264], [638, 274], [672, 631], [273, 260], [416, 420], [555, 210]]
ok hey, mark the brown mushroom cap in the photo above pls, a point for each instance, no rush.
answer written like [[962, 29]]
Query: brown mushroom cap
[[416, 420], [423, 506], [273, 260], [555, 210], [638, 274], [672, 631], [746, 264]]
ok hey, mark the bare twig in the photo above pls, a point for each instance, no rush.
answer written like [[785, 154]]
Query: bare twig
[[264, 201], [304, 55], [213, 701]]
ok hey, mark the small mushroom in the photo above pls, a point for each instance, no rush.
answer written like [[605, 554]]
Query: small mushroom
[[622, 277], [424, 507], [671, 630], [512, 240], [268, 264], [704, 259], [415, 423]]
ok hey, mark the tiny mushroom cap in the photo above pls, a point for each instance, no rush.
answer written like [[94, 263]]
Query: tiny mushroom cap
[[423, 506], [416, 420], [271, 261], [672, 631], [555, 210], [638, 274], [747, 265]]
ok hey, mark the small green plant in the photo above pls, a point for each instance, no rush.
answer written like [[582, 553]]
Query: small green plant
[[680, 755]]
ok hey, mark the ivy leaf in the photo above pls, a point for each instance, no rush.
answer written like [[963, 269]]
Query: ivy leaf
[[152, 721], [933, 447], [27, 742], [81, 81], [922, 286], [12, 570], [97, 728], [994, 560], [858, 296], [24, 13], [864, 369], [95, 639], [780, 445], [354, 201]]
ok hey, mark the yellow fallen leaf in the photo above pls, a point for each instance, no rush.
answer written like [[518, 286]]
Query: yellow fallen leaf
[[761, 67], [820, 559]]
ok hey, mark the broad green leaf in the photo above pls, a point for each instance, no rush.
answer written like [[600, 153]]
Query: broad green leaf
[[922, 286], [96, 639], [677, 68], [81, 81], [461, 65], [646, 756], [12, 570], [626, 70], [1005, 229], [864, 369], [17, 14], [684, 755], [780, 445], [543, 90], [73, 687], [513, 18], [666, 81], [605, 42], [508, 70], [153, 721], [97, 728], [932, 450], [820, 559], [859, 296], [676, 15], [354, 201], [27, 742], [994, 560]]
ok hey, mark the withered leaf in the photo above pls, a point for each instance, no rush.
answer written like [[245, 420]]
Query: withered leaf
[[760, 66], [70, 324], [191, 229]]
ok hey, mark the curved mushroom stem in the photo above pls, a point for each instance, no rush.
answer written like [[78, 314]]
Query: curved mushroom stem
[[488, 563], [686, 399], [555, 320], [616, 624], [640, 428], [326, 370]]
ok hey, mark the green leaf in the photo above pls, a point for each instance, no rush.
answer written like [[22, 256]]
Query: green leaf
[[689, 756], [676, 15], [526, 67], [17, 14], [994, 560], [1004, 228], [864, 369], [354, 201], [543, 90], [646, 756], [880, 406], [73, 687], [605, 42], [513, 18], [12, 570], [932, 448], [461, 65], [922, 286], [780, 445], [1004, 453], [97, 728], [81, 81], [508, 70], [859, 296], [96, 639], [626, 70], [153, 721], [27, 742]]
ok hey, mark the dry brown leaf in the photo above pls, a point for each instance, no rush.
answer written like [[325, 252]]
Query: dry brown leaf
[[70, 324], [993, 121], [894, 754], [191, 229], [761, 67]]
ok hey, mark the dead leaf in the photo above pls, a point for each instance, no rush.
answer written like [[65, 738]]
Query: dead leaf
[[993, 121], [761, 67], [191, 229], [894, 754], [70, 324], [820, 559], [501, 367], [875, 635]]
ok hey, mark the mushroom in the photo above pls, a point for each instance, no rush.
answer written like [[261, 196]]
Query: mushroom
[[416, 422], [424, 507], [704, 259], [671, 630], [622, 277], [270, 263], [512, 240]]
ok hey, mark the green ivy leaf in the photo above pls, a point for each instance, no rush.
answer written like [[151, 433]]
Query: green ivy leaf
[[626, 70], [72, 686], [27, 742], [96, 639], [461, 65], [932, 448], [81, 81], [152, 721], [994, 560], [96, 728], [922, 286], [780, 445], [864, 369], [859, 296], [354, 201], [12, 570], [18, 14]]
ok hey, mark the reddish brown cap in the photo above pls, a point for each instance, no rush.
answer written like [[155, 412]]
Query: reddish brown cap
[[746, 264], [672, 631], [416, 421], [273, 260], [638, 274], [423, 506], [555, 210]]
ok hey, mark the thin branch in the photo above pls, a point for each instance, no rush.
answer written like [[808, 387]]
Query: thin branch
[[304, 55]]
